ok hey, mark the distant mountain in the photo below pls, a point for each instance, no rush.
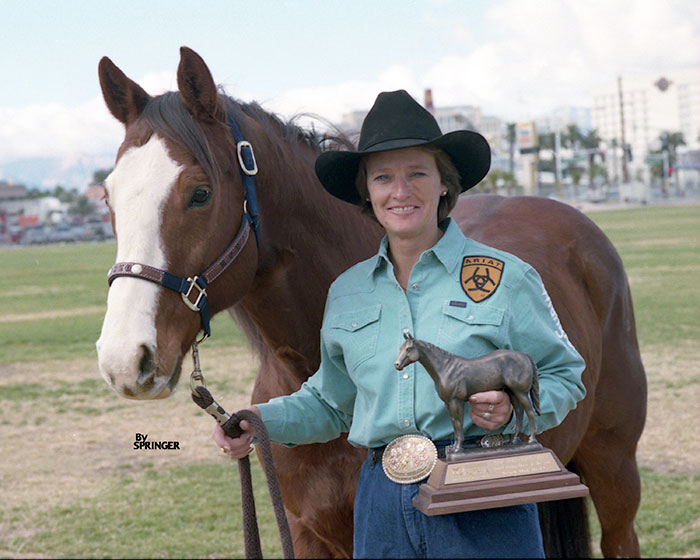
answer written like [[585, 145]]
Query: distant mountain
[[71, 172]]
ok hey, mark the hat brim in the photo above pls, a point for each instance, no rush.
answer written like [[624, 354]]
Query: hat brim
[[468, 150]]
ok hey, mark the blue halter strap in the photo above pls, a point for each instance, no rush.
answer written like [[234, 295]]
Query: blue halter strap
[[249, 168]]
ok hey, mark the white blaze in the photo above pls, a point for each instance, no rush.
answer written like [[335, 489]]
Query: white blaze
[[138, 189]]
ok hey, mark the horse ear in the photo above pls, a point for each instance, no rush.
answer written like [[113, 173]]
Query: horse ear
[[407, 335], [197, 87], [125, 99]]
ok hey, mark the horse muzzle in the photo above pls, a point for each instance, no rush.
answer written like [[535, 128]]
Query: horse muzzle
[[137, 374]]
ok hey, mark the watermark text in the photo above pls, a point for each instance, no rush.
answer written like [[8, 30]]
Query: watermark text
[[141, 442]]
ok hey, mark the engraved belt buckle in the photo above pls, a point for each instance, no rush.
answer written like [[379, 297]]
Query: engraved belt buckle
[[409, 459]]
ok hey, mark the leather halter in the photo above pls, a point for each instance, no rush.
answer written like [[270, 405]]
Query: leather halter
[[193, 288]]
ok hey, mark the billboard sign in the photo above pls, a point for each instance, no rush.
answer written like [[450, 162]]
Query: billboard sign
[[527, 137]]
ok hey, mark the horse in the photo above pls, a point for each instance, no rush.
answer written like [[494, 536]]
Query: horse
[[457, 378], [176, 198]]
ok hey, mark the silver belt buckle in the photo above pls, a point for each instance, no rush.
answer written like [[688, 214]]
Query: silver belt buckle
[[409, 459]]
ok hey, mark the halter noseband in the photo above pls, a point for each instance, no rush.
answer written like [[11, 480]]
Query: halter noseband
[[193, 289]]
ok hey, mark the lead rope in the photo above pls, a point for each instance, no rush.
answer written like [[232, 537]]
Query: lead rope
[[231, 426]]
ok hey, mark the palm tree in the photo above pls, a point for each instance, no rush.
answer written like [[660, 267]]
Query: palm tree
[[670, 141], [547, 141], [511, 147], [497, 178], [591, 141], [572, 138]]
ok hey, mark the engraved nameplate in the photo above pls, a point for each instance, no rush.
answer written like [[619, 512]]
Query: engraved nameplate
[[501, 467]]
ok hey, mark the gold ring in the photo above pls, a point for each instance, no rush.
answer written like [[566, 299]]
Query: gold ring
[[491, 407], [486, 415]]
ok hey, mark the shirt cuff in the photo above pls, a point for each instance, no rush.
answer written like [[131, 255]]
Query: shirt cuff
[[273, 416]]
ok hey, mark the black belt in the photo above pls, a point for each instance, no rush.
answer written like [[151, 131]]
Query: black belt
[[472, 442]]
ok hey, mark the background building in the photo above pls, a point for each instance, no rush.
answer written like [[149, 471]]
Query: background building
[[651, 104]]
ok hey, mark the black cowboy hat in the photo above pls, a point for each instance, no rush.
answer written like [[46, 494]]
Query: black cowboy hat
[[397, 121]]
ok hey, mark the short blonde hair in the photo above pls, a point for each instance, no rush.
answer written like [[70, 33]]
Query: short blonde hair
[[449, 176]]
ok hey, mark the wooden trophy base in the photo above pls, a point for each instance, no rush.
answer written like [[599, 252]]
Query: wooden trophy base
[[493, 478]]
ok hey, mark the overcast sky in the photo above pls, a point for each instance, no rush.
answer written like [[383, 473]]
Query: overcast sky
[[516, 59]]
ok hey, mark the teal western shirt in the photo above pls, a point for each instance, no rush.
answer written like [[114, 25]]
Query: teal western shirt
[[462, 296]]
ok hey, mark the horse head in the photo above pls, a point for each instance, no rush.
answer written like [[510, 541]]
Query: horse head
[[408, 353], [176, 200]]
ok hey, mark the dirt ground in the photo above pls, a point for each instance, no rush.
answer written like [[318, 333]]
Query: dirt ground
[[62, 447], [670, 443]]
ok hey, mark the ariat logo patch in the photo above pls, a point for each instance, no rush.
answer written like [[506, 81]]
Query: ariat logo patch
[[480, 277]]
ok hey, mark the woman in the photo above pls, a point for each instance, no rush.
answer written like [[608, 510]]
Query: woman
[[428, 278]]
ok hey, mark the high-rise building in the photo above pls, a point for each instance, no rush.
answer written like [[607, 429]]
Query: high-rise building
[[651, 104]]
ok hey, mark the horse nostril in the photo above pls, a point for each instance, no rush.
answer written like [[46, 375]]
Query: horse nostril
[[146, 365]]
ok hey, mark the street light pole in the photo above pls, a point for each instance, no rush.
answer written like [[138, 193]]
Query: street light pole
[[625, 173], [557, 155]]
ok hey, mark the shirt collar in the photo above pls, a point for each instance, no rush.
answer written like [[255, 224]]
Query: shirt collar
[[450, 247], [448, 250], [382, 256]]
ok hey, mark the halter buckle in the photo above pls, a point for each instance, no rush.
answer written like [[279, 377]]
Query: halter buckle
[[202, 293], [244, 167]]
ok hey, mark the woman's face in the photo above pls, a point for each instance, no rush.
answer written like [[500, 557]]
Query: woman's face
[[404, 188]]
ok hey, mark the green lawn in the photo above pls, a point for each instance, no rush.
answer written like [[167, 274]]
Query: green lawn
[[42, 282], [660, 248], [192, 511], [54, 277]]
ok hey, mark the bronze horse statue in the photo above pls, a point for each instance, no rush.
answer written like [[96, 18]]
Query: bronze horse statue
[[176, 198], [457, 378]]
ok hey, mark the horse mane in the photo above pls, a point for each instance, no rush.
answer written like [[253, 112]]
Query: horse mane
[[167, 115], [289, 130]]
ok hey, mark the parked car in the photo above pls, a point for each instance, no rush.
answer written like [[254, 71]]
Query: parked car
[[62, 233], [99, 230], [35, 235]]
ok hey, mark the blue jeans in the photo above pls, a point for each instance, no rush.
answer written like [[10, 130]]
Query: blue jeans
[[388, 526]]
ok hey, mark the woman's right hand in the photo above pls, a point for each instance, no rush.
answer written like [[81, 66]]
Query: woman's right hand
[[236, 448]]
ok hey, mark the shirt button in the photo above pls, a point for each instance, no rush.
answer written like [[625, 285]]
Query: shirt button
[[470, 318], [405, 376], [406, 423], [414, 286], [354, 325]]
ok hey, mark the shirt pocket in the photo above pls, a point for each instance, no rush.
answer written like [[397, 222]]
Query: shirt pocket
[[356, 332], [472, 330]]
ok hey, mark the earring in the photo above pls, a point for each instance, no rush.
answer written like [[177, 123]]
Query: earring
[[443, 193]]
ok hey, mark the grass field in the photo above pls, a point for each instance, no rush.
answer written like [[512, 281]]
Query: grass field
[[53, 299], [73, 486]]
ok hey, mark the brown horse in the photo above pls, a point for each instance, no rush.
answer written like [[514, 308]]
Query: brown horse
[[176, 198]]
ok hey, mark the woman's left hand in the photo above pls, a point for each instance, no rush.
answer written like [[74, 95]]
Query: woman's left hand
[[490, 410]]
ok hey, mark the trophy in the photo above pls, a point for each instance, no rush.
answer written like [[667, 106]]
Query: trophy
[[495, 472]]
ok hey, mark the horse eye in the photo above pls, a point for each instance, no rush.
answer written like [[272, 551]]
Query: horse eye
[[200, 196]]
